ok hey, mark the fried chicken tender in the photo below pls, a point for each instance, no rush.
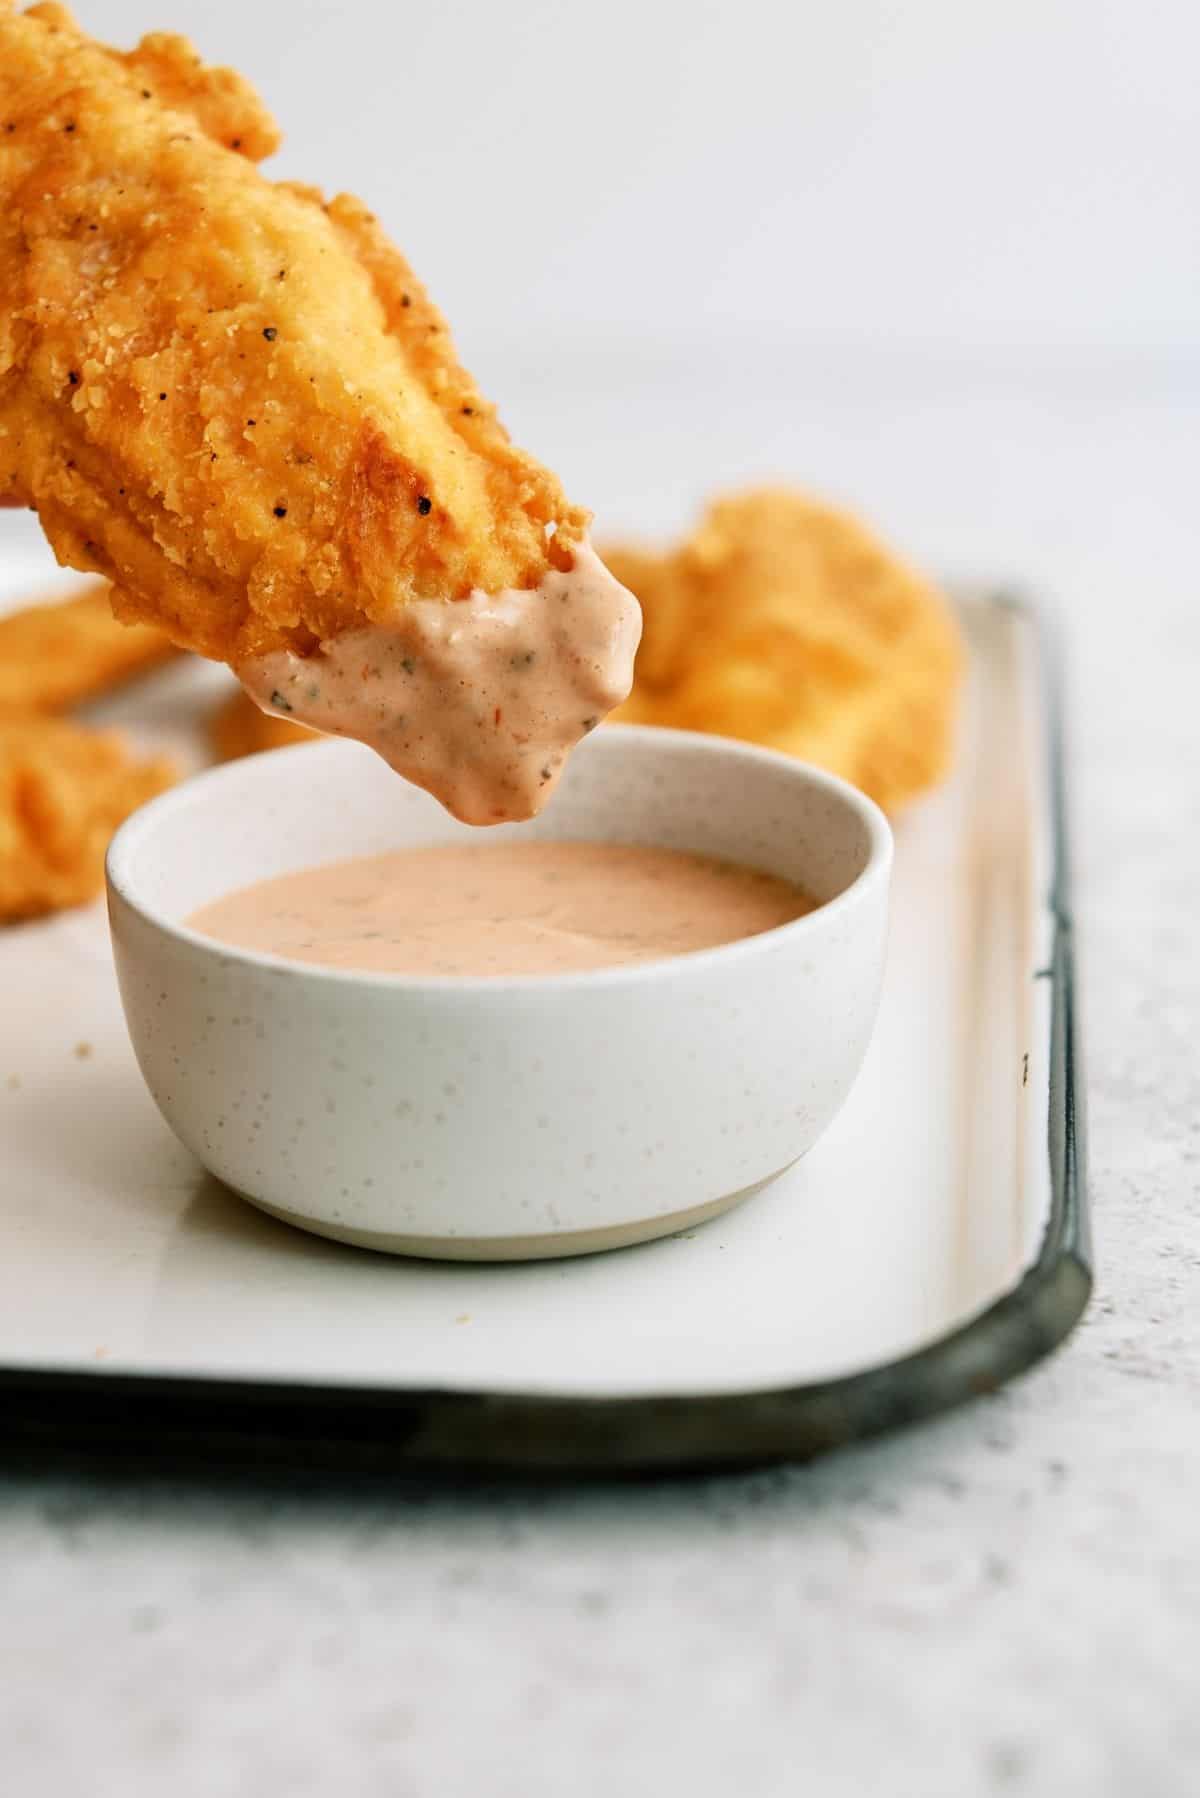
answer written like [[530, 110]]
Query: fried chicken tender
[[786, 623], [56, 655], [238, 728], [228, 396], [63, 791]]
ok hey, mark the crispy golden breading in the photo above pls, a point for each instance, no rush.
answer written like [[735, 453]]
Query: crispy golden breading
[[786, 623], [56, 655], [238, 728], [229, 397], [63, 791]]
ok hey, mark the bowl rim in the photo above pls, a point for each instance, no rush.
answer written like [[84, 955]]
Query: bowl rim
[[875, 872]]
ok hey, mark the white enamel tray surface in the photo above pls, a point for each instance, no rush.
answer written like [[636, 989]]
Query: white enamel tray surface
[[931, 1244]]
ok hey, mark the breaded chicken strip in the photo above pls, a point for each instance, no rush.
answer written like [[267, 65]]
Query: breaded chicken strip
[[63, 791], [787, 623], [236, 402], [233, 400], [56, 655]]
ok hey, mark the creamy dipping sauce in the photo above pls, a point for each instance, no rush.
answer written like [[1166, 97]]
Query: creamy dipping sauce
[[477, 700], [503, 908]]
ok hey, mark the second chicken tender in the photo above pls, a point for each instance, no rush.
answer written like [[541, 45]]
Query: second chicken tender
[[786, 623], [236, 401], [63, 791], [58, 654]]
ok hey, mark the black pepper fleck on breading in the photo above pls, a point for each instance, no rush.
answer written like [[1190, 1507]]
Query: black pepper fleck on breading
[[73, 376], [270, 333], [280, 511], [424, 505], [405, 298]]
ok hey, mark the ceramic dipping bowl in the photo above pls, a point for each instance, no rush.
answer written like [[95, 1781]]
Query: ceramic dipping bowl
[[507, 1117]]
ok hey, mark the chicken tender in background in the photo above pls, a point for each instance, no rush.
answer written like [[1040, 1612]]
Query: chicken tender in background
[[57, 655], [230, 397], [238, 728], [63, 791], [786, 623]]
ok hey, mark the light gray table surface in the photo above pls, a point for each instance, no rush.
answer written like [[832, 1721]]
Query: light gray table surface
[[1005, 1600]]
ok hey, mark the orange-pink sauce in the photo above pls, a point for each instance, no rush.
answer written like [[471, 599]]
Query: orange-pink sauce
[[477, 700], [503, 908]]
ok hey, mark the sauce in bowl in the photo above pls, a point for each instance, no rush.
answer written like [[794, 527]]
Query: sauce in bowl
[[503, 908]]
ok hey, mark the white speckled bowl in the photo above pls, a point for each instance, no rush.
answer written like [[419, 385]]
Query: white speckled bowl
[[509, 1117]]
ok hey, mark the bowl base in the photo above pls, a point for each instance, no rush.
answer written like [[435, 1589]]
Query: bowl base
[[551, 1245]]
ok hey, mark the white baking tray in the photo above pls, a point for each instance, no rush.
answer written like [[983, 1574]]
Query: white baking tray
[[932, 1244]]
